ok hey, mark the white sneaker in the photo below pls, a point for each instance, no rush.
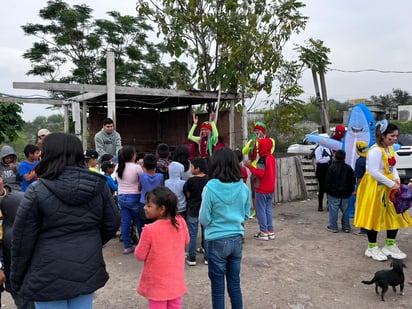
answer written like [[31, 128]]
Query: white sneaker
[[394, 252], [376, 254]]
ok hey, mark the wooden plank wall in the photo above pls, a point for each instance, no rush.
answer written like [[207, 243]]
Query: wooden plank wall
[[290, 183]]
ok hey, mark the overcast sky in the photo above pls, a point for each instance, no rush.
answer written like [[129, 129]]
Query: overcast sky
[[362, 34]]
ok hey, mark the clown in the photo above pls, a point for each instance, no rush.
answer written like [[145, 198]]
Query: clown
[[208, 136], [259, 131]]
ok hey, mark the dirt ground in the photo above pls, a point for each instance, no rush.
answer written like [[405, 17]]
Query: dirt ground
[[304, 267]]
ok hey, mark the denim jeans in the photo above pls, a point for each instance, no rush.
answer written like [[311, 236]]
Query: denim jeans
[[129, 209], [335, 204], [263, 206], [79, 302], [193, 227], [224, 256]]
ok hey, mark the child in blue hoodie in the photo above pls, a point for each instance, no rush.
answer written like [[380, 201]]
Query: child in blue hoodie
[[225, 206]]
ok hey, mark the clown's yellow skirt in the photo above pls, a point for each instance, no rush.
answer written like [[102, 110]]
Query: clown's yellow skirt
[[374, 210]]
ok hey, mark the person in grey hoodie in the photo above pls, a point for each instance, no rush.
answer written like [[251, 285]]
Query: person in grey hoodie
[[9, 168], [108, 140], [175, 183]]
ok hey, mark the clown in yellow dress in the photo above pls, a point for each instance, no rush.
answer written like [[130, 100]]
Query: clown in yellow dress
[[374, 210]]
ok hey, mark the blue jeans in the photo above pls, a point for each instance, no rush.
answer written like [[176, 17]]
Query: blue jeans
[[263, 206], [129, 209], [79, 302], [193, 227], [335, 204], [224, 256]]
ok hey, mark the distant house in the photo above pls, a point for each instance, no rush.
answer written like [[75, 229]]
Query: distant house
[[405, 112]]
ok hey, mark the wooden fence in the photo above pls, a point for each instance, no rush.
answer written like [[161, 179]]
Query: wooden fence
[[291, 179]]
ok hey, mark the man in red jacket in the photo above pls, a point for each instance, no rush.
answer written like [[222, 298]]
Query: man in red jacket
[[265, 180]]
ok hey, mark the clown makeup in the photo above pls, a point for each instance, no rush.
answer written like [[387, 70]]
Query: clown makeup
[[259, 134], [390, 138]]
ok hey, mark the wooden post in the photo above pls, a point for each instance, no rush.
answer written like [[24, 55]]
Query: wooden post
[[232, 125], [325, 100], [66, 118], [84, 124], [111, 87]]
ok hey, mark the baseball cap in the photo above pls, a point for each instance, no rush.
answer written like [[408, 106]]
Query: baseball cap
[[43, 132], [339, 132], [107, 164], [91, 154], [362, 148]]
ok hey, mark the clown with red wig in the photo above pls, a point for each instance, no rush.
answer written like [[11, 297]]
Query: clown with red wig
[[208, 137], [251, 147]]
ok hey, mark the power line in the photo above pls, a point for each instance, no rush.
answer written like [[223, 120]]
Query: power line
[[371, 70]]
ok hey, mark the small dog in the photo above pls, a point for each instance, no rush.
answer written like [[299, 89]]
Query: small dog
[[389, 277]]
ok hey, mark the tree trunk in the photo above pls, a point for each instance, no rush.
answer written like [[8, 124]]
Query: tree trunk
[[319, 101], [325, 109]]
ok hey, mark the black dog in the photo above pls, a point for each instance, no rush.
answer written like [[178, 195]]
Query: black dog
[[390, 277]]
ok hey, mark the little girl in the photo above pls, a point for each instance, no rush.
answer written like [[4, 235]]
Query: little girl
[[162, 241]]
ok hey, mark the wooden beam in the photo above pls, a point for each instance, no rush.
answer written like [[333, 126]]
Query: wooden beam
[[5, 99], [85, 96], [125, 90], [82, 88]]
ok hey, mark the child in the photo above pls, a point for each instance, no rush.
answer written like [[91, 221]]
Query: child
[[162, 242], [26, 168], [242, 168], [108, 169], [175, 183], [264, 180], [194, 188], [149, 180], [225, 206], [90, 158], [339, 185], [128, 174], [9, 168], [163, 153], [107, 157], [360, 169]]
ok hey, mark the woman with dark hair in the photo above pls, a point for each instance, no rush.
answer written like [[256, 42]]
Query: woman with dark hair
[[128, 180], [374, 210], [61, 225], [225, 206]]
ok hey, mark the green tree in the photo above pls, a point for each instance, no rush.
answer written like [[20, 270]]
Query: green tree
[[71, 41], [401, 97], [315, 56], [236, 46], [387, 103], [54, 123], [11, 121], [233, 44], [286, 109]]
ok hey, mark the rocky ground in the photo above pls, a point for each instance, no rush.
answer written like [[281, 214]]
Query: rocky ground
[[304, 267]]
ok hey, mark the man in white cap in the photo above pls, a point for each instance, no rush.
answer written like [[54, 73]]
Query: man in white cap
[[41, 135]]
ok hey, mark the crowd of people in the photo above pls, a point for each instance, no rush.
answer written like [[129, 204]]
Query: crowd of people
[[62, 204]]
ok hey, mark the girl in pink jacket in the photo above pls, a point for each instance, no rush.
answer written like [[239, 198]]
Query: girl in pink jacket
[[160, 241]]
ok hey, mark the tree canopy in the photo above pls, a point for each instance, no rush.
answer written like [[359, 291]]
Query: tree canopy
[[235, 45], [11, 121], [72, 47]]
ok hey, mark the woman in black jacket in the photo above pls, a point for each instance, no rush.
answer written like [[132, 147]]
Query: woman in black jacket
[[61, 225]]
